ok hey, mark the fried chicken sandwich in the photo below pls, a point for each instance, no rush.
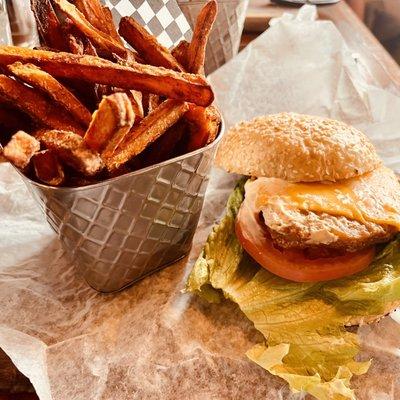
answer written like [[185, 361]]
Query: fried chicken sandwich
[[319, 200]]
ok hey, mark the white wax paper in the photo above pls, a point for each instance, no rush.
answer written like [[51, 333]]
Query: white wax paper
[[151, 341], [303, 65]]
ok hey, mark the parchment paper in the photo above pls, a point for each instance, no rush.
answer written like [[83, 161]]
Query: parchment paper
[[151, 341]]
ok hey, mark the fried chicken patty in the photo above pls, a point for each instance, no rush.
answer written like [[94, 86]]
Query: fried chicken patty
[[326, 218], [308, 230]]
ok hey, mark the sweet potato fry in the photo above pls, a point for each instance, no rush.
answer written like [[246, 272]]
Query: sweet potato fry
[[39, 79], [102, 40], [109, 25], [135, 98], [204, 126], [147, 45], [180, 52], [110, 124], [48, 25], [175, 85], [150, 102], [71, 149], [36, 105], [75, 44], [202, 29], [149, 130], [20, 149], [99, 16], [47, 168]]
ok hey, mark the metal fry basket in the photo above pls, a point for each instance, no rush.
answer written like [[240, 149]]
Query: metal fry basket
[[120, 230]]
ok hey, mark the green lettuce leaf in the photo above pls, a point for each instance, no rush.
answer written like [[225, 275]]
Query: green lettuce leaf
[[306, 342]]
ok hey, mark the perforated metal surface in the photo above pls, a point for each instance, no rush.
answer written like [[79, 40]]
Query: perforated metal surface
[[121, 230], [225, 36]]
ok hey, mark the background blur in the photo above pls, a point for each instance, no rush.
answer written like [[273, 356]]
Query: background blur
[[383, 18]]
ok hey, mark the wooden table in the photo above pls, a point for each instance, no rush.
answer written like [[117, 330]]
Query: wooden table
[[383, 71], [382, 68]]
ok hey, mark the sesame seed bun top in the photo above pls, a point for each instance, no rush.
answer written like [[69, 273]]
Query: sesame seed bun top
[[297, 148]]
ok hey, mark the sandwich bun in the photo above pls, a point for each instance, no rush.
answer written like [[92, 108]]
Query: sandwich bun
[[296, 148]]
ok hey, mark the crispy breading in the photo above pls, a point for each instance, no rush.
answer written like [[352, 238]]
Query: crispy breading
[[172, 84], [49, 27], [349, 235], [180, 52], [39, 79], [204, 126], [100, 39], [329, 226], [110, 124], [20, 149], [71, 149], [201, 32], [36, 105], [149, 130], [47, 168], [147, 45]]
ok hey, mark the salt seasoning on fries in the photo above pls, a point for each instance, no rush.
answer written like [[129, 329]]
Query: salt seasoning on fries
[[147, 45], [94, 117], [110, 125], [49, 27], [72, 150], [36, 105], [149, 129], [168, 83], [43, 81], [197, 48], [180, 52]]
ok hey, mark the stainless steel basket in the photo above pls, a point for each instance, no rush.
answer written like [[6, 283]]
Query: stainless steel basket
[[120, 230]]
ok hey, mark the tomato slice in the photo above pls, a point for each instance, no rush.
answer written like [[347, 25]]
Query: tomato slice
[[292, 264]]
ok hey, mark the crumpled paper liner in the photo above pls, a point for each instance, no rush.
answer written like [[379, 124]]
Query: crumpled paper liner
[[151, 341], [303, 65]]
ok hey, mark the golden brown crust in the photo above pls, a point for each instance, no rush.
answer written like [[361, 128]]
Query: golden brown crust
[[158, 80], [71, 149], [150, 129], [37, 106], [49, 27], [297, 148], [39, 79], [102, 40], [204, 125], [147, 45], [196, 52], [180, 52], [110, 124]]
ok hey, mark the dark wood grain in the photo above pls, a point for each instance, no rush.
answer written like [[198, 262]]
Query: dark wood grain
[[382, 70]]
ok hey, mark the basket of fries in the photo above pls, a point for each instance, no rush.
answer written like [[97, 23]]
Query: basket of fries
[[224, 40], [115, 144]]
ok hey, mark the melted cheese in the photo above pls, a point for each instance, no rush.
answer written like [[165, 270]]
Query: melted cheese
[[373, 197]]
